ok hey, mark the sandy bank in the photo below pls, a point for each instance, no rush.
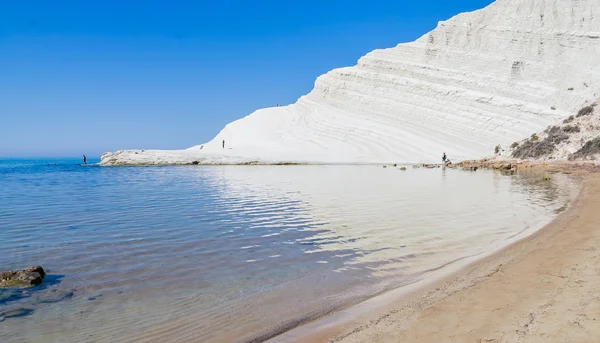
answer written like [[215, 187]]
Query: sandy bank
[[545, 288]]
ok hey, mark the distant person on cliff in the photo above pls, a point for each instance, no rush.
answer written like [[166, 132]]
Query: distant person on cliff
[[84, 159], [223, 144]]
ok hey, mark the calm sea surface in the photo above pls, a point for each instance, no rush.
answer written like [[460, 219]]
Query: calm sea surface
[[238, 253]]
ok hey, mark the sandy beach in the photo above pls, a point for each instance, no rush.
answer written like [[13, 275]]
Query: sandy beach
[[544, 288]]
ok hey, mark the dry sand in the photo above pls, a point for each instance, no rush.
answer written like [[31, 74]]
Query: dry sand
[[545, 288]]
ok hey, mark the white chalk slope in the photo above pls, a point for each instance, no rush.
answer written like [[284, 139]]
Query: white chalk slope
[[482, 78]]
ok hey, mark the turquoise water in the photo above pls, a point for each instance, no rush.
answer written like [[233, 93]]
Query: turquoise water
[[238, 253]]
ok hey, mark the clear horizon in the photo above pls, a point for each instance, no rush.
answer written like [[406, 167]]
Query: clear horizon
[[84, 79]]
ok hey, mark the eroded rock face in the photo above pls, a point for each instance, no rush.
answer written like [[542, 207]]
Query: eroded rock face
[[22, 278]]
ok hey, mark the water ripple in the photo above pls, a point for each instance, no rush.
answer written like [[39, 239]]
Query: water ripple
[[220, 254]]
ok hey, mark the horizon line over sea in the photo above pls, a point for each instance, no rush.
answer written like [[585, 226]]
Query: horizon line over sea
[[96, 162]]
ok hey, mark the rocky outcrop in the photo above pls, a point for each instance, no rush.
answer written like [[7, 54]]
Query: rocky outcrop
[[510, 167], [575, 138], [22, 278], [503, 166]]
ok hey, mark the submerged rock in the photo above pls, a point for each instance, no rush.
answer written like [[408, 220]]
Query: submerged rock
[[56, 295], [15, 313], [22, 278]]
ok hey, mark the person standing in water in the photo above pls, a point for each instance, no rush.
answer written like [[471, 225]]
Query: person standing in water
[[445, 159], [84, 159]]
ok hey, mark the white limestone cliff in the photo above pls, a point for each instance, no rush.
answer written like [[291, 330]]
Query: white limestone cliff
[[488, 77]]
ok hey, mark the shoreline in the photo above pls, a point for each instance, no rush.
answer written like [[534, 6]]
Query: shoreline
[[468, 300], [262, 163]]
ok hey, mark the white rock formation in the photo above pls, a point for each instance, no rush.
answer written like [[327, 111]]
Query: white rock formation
[[483, 78]]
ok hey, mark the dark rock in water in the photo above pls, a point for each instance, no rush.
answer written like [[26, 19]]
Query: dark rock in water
[[195, 163], [385, 166], [22, 278], [403, 168], [36, 269]]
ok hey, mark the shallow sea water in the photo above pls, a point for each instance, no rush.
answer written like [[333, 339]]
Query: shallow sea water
[[238, 253]]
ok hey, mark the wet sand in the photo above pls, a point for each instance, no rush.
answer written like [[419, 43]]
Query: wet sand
[[544, 288]]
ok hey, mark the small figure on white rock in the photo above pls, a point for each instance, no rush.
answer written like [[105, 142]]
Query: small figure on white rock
[[223, 144]]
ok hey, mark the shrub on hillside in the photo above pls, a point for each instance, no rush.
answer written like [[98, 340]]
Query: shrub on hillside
[[497, 149], [591, 147], [534, 137], [571, 129], [568, 120], [556, 135], [514, 145], [534, 148], [585, 111]]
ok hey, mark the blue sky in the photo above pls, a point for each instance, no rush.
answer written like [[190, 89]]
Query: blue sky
[[83, 77]]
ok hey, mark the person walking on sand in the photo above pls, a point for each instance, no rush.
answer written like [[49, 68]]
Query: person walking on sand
[[84, 159], [223, 144]]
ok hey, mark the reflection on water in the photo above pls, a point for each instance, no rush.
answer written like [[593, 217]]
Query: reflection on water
[[223, 254]]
